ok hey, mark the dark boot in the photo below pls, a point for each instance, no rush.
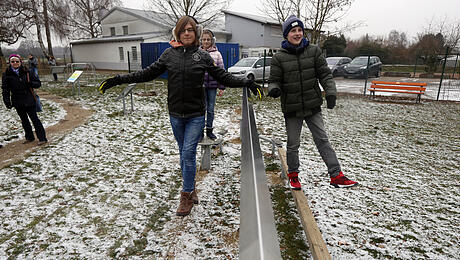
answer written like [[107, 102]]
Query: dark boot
[[186, 204], [210, 134], [195, 196]]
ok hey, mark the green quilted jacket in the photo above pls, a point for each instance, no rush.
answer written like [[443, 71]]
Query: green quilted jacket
[[297, 76]]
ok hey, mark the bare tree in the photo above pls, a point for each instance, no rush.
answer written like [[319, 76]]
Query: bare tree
[[81, 18], [317, 14], [320, 13], [449, 29], [15, 20], [206, 12], [280, 10], [396, 39]]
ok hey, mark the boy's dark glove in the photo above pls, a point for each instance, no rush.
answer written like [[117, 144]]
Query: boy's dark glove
[[256, 89], [9, 106], [274, 93], [331, 101], [108, 83]]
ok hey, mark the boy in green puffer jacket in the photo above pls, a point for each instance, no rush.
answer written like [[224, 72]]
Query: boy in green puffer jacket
[[294, 75]]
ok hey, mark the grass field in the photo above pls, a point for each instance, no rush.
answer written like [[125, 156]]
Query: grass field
[[110, 188]]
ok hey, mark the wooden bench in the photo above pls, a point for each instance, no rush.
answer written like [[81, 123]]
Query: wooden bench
[[417, 88]]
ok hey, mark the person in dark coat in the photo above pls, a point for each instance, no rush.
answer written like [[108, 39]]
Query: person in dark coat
[[186, 65], [295, 73], [17, 90], [33, 64], [52, 62]]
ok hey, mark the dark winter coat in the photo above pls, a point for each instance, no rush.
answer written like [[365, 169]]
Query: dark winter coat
[[186, 68], [297, 75], [16, 88], [33, 63]]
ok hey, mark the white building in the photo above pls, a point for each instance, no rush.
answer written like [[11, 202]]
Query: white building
[[123, 30]]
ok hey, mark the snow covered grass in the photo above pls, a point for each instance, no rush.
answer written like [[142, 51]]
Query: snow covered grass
[[111, 187], [10, 125]]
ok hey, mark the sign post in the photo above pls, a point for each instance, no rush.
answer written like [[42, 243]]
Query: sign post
[[74, 80], [127, 91]]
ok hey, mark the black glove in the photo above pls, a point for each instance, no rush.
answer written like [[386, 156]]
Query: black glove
[[108, 83], [274, 93], [9, 106], [255, 89], [331, 101]]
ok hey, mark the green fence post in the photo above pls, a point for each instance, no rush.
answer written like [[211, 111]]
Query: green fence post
[[263, 71], [443, 68], [455, 67], [367, 73]]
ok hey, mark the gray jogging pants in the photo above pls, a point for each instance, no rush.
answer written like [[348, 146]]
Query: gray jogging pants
[[316, 125]]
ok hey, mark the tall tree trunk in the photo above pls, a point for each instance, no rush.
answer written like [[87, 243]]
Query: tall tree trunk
[[2, 59], [47, 27], [39, 29]]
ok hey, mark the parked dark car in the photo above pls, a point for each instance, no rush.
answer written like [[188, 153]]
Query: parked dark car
[[336, 65], [357, 67]]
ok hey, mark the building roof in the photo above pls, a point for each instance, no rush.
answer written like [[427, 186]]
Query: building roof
[[148, 16], [119, 38], [257, 18], [160, 18], [145, 15]]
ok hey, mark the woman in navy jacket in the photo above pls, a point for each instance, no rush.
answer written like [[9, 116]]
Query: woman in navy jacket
[[17, 89]]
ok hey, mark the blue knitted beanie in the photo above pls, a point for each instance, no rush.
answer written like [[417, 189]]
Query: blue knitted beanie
[[291, 22]]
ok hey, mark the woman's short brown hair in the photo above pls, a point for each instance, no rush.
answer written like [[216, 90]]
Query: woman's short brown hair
[[180, 27]]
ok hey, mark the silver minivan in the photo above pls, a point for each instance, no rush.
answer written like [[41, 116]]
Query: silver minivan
[[251, 68]]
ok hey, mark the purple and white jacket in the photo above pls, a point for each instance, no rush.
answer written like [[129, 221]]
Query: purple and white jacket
[[209, 82]]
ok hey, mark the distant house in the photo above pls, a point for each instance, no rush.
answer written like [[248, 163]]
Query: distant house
[[123, 30], [254, 33]]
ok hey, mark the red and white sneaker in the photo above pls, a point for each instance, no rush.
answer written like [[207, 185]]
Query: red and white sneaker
[[340, 181], [294, 180]]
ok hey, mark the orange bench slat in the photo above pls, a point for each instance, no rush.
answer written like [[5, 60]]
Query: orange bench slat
[[376, 82], [396, 91], [399, 87]]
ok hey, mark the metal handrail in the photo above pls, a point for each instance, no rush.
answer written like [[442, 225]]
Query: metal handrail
[[258, 236]]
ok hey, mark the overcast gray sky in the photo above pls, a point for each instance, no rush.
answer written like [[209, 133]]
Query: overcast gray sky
[[379, 16]]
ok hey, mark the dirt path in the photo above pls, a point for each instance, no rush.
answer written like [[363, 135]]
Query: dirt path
[[76, 115]]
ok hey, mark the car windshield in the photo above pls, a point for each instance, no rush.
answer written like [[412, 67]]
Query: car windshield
[[245, 62], [332, 61], [359, 61]]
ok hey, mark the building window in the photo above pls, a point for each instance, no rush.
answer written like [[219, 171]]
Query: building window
[[112, 31], [134, 51], [122, 56], [125, 30]]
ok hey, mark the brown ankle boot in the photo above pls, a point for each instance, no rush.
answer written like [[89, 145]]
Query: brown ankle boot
[[186, 204], [195, 196]]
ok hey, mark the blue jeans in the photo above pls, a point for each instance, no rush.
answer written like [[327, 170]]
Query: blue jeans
[[210, 103], [187, 132], [35, 71]]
